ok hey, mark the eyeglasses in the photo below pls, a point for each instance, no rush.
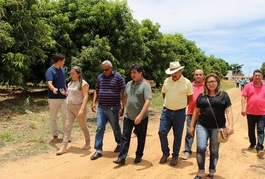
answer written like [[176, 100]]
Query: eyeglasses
[[105, 70], [211, 82]]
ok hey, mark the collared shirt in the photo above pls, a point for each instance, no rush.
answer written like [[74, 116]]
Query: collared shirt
[[57, 76], [109, 94], [176, 92], [136, 96], [255, 98], [197, 89]]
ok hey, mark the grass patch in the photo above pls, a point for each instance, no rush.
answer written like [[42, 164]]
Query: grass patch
[[227, 84]]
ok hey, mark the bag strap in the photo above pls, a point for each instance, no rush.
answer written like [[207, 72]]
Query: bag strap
[[212, 112]]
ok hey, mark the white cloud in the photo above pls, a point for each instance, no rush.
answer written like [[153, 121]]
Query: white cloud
[[191, 15], [225, 29]]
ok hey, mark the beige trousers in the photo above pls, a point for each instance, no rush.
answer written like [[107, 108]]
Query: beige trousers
[[55, 105], [72, 112]]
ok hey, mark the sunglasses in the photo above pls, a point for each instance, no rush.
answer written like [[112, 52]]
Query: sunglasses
[[105, 70]]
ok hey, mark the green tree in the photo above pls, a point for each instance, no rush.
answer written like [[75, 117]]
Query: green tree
[[263, 68], [26, 42], [236, 68]]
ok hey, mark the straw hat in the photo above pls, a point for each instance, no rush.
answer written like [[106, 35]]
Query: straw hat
[[173, 68]]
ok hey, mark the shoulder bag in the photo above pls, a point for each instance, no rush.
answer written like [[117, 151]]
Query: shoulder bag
[[222, 132]]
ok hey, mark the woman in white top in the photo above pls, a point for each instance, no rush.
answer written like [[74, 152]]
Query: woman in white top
[[77, 98]]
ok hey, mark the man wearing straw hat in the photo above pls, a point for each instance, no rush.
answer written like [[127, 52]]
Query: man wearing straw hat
[[177, 93]]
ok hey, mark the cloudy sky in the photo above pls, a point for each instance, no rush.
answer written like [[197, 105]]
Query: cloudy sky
[[233, 30]]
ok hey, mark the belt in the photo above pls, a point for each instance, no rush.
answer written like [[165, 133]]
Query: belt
[[173, 110]]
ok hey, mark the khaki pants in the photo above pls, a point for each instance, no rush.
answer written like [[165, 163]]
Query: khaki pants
[[72, 112], [55, 105]]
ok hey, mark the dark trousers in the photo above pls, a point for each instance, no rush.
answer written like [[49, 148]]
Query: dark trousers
[[242, 87], [140, 129], [254, 120], [171, 119]]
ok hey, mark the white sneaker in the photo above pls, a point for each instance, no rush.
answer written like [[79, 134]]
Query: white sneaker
[[186, 156]]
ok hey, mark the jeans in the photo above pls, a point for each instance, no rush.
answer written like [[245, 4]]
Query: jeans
[[189, 138], [140, 129], [55, 105], [174, 119], [203, 134], [103, 116], [259, 121]]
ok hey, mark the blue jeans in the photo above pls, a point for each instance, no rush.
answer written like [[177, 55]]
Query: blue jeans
[[140, 130], [252, 121], [103, 116], [189, 138], [203, 134], [174, 119]]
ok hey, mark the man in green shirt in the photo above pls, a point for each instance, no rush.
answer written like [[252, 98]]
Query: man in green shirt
[[137, 98]]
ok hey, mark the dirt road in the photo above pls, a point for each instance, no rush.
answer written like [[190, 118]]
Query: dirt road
[[235, 161]]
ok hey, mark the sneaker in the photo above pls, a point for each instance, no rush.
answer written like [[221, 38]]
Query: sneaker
[[260, 154], [186, 156], [251, 147]]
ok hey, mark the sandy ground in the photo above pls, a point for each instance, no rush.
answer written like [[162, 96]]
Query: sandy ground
[[235, 161]]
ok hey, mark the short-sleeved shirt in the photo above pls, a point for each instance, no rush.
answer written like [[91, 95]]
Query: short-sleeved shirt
[[219, 103], [255, 98], [242, 82], [109, 89], [197, 89], [176, 92], [57, 76], [136, 96], [75, 96]]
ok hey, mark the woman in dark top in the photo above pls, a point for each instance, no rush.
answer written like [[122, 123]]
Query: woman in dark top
[[206, 127]]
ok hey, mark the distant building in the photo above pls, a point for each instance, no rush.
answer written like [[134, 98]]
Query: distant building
[[231, 76]]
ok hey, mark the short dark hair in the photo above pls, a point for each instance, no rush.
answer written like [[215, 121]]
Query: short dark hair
[[139, 68], [258, 71], [58, 57]]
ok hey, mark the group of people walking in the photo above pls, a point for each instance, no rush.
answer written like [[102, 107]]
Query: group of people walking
[[197, 103], [242, 82]]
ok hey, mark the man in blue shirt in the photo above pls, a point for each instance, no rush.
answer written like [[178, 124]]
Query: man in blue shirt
[[55, 77]]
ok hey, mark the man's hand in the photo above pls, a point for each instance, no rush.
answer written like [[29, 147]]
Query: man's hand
[[137, 120], [93, 107], [243, 113], [55, 91]]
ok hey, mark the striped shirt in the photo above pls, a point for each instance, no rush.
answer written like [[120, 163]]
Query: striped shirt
[[109, 89]]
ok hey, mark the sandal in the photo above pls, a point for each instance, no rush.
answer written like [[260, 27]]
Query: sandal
[[86, 147], [209, 176], [60, 152], [198, 177]]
